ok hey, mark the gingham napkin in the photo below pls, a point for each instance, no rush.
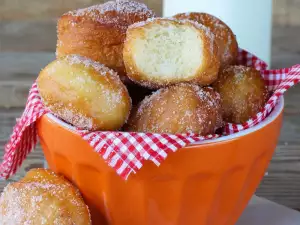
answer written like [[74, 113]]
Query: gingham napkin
[[125, 152]]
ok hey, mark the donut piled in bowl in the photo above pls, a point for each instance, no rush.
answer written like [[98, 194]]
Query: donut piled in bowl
[[119, 67]]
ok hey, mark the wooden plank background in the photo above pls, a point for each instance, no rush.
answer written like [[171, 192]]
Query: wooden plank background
[[27, 44], [286, 12]]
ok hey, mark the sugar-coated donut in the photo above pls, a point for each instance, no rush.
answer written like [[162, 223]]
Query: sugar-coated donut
[[98, 32], [43, 197], [182, 108], [226, 40], [161, 52], [243, 93], [84, 93]]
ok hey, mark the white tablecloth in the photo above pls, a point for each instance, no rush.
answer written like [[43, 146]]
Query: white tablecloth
[[263, 212]]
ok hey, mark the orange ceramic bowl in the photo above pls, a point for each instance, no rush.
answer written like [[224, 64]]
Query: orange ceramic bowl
[[207, 183]]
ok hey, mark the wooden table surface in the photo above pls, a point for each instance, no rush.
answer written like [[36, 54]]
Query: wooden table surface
[[18, 70]]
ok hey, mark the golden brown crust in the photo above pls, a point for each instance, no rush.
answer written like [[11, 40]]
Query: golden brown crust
[[181, 108], [43, 197], [207, 72], [84, 93], [243, 93], [98, 32], [226, 40]]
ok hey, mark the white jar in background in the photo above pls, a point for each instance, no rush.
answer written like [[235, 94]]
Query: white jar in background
[[250, 20]]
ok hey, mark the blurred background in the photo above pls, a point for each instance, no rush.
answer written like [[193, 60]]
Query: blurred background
[[28, 41]]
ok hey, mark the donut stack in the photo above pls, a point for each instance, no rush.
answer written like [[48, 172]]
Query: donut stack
[[119, 67]]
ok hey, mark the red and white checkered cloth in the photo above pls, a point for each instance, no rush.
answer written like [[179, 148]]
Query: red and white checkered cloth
[[126, 152]]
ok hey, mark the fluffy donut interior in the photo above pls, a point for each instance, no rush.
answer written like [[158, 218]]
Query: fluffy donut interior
[[168, 51]]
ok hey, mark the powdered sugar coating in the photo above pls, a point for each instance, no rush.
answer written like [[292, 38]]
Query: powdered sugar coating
[[103, 70], [114, 12], [44, 199], [165, 21], [73, 115], [237, 69], [207, 95], [243, 93], [168, 111], [120, 6], [149, 20]]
